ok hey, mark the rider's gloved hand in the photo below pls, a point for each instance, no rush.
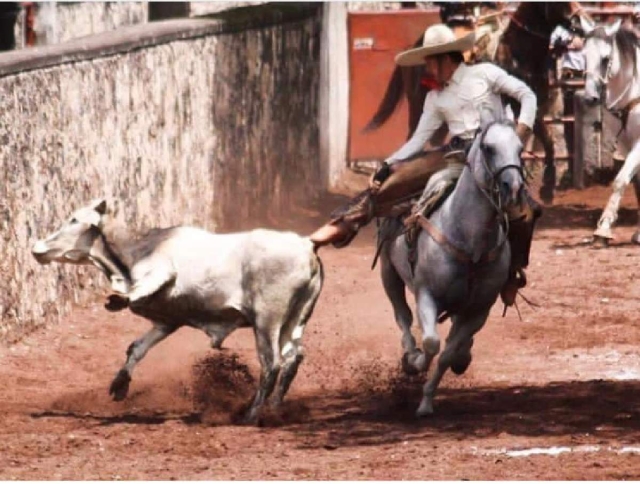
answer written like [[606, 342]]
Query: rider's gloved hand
[[378, 178]]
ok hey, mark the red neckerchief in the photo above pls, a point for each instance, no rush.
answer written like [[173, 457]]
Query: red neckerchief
[[430, 83]]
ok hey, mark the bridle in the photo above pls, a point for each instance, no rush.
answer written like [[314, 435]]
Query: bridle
[[492, 193], [604, 80]]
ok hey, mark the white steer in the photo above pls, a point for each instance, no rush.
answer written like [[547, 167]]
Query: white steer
[[179, 276]]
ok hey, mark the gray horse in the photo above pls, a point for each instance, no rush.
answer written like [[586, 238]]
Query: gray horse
[[463, 256]]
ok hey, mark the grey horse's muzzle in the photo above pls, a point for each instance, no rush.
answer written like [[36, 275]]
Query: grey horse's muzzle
[[510, 182]]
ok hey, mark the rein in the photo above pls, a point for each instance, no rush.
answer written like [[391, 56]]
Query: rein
[[458, 253]]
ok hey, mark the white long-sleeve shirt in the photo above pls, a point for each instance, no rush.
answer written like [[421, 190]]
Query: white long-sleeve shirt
[[458, 104]]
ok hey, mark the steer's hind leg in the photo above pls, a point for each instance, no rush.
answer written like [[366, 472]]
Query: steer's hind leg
[[413, 359], [136, 351], [267, 341], [291, 339]]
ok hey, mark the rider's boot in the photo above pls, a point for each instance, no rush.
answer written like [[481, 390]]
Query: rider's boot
[[345, 222], [522, 221]]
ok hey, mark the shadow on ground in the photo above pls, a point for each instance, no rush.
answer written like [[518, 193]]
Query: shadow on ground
[[602, 408]]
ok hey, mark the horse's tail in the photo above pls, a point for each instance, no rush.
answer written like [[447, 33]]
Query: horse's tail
[[392, 97], [390, 101]]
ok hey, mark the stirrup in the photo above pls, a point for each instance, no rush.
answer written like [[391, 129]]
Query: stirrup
[[516, 281]]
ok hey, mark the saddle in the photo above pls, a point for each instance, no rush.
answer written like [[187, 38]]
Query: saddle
[[407, 214]]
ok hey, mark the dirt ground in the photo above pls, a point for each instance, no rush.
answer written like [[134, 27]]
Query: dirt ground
[[555, 395]]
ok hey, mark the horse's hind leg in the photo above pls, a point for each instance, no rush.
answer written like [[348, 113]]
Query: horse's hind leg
[[549, 174], [458, 343], [462, 358], [412, 360]]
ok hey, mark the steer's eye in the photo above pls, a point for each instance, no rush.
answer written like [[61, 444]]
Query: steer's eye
[[73, 220]]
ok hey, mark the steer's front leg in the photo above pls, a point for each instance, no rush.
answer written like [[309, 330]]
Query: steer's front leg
[[136, 351]]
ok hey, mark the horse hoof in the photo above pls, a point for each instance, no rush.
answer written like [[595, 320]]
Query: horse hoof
[[425, 409], [413, 362], [599, 242], [635, 238], [431, 346], [461, 364]]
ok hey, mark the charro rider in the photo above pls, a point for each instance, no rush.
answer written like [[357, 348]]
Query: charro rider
[[463, 91]]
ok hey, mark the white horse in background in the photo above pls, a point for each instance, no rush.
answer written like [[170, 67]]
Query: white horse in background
[[612, 58]]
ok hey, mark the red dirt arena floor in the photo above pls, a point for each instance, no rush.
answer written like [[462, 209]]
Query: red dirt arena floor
[[554, 396]]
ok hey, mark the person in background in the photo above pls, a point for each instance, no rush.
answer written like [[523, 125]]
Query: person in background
[[568, 45]]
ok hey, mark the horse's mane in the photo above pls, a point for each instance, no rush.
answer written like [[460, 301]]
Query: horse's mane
[[491, 121], [627, 44]]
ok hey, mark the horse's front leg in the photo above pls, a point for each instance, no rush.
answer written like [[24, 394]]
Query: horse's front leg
[[428, 318], [412, 360], [458, 345], [629, 170], [549, 174]]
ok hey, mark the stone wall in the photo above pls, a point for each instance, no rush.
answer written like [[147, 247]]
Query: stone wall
[[186, 121]]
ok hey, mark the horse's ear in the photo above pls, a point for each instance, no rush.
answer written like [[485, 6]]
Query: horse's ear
[[610, 30], [587, 25]]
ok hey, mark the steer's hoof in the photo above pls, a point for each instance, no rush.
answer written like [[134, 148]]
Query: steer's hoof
[[635, 238], [250, 417], [116, 302], [120, 386]]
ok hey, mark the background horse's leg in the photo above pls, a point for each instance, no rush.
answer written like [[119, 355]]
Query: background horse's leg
[[549, 174], [413, 360], [609, 216], [459, 339], [635, 238]]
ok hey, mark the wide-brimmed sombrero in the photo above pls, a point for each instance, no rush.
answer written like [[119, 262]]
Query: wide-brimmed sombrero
[[438, 39]]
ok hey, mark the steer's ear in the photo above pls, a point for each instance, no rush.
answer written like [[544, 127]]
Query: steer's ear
[[99, 206]]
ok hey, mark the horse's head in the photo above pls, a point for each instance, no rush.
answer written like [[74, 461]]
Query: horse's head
[[495, 160], [601, 47]]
